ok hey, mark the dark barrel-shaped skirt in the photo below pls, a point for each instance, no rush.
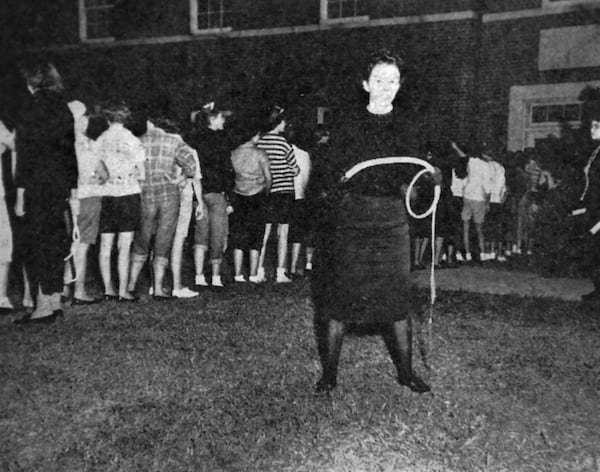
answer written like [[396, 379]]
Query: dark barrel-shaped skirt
[[362, 267]]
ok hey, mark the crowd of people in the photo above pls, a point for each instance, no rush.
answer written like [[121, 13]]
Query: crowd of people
[[108, 175], [141, 180], [88, 174]]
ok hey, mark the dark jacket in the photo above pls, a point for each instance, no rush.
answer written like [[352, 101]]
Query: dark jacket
[[45, 144], [214, 153]]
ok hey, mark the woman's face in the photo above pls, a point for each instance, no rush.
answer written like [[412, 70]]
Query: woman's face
[[595, 130], [217, 122], [383, 84]]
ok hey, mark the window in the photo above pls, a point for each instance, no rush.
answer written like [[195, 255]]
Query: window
[[555, 113], [342, 10], [537, 111], [95, 19], [209, 16]]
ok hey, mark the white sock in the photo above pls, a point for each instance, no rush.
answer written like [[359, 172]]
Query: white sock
[[216, 281], [201, 280]]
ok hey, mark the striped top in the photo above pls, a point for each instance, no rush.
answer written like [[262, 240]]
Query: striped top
[[282, 162]]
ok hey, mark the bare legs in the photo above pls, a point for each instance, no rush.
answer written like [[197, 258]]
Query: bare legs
[[123, 245]]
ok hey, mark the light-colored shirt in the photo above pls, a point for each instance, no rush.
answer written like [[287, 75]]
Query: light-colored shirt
[[166, 153], [497, 182], [478, 181], [248, 162], [301, 180], [123, 155]]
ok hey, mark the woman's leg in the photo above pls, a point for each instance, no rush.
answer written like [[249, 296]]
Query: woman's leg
[[80, 252], [104, 256], [253, 262], [124, 247], [238, 259], [282, 249], [263, 251], [330, 337], [181, 231], [398, 340], [4, 301]]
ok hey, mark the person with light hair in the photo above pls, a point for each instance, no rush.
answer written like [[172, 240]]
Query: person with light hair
[[123, 155], [89, 193]]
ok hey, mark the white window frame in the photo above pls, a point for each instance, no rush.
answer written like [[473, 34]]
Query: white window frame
[[195, 8], [324, 14], [567, 3], [83, 24]]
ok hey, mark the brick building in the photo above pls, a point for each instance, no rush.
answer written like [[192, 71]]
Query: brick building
[[506, 71]]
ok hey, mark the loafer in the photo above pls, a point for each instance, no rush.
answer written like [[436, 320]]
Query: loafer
[[162, 298], [27, 319], [415, 383], [110, 298], [127, 300], [79, 301]]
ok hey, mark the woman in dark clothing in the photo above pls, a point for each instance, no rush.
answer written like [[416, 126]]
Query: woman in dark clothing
[[214, 147], [362, 264], [46, 178]]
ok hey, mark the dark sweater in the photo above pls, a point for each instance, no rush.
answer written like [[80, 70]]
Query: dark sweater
[[361, 136], [214, 153], [46, 161]]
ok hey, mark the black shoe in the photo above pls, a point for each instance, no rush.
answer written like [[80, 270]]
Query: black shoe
[[110, 298], [415, 383], [127, 299], [324, 386], [27, 319], [79, 301], [162, 298], [593, 296]]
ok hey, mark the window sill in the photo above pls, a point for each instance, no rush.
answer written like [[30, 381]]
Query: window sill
[[345, 19], [209, 31]]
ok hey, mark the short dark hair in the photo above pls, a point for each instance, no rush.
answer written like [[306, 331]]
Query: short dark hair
[[382, 56], [166, 124], [118, 112], [97, 125], [272, 117], [42, 76]]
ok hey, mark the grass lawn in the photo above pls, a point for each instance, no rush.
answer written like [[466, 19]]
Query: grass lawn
[[225, 382]]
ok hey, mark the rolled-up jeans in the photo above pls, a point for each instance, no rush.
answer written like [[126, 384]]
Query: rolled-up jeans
[[212, 229], [159, 218]]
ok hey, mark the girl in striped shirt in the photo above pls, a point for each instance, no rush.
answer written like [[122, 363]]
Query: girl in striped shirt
[[283, 167]]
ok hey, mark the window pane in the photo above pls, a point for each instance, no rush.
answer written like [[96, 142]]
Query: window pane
[[214, 13], [572, 112], [555, 112], [539, 114], [342, 8]]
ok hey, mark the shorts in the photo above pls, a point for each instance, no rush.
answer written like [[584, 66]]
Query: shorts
[[247, 222], [88, 220], [121, 214], [473, 209], [279, 208], [299, 222]]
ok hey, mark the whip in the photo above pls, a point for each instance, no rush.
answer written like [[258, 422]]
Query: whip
[[427, 168]]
